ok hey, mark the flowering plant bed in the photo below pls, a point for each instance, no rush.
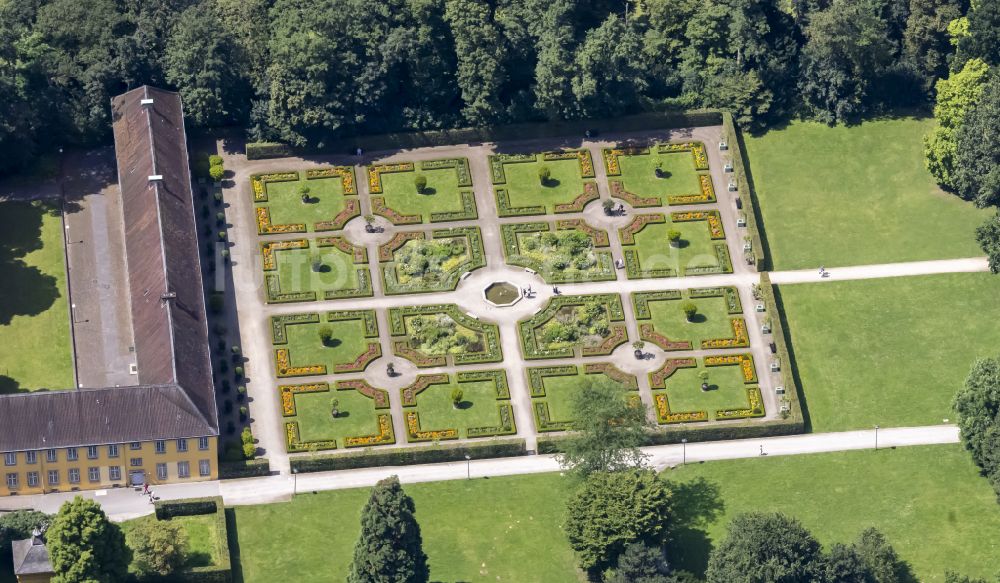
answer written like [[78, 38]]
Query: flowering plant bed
[[336, 276], [258, 183], [755, 408], [346, 349], [706, 196], [415, 434], [268, 248], [344, 173], [544, 422], [618, 191], [713, 217], [384, 436], [435, 334], [264, 226], [648, 333], [731, 294], [376, 171], [587, 322], [395, 217], [744, 361], [285, 369], [319, 199], [380, 396], [697, 150], [442, 195], [360, 363], [504, 208], [565, 256], [358, 254], [537, 375], [352, 208], [294, 444], [288, 393], [657, 378], [498, 377], [740, 339], [610, 155], [612, 372], [588, 195], [628, 232], [409, 393], [418, 265], [279, 323], [665, 416], [641, 301]]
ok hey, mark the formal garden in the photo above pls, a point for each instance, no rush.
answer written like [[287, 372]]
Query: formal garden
[[468, 404], [672, 174], [442, 335], [429, 191], [703, 318], [412, 262], [568, 251], [574, 326], [311, 344], [306, 270], [675, 244], [320, 199], [719, 388], [552, 391], [341, 414], [543, 183]]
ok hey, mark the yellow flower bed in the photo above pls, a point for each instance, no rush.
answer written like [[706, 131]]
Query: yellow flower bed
[[415, 434], [740, 338], [384, 435], [288, 393], [376, 171], [264, 226], [714, 221], [267, 250], [664, 415], [285, 368], [745, 362]]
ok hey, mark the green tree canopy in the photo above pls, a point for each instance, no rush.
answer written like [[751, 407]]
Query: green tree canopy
[[612, 510], [159, 547], [390, 548], [85, 547], [763, 547], [977, 168], [988, 236], [978, 408], [611, 425], [956, 95]]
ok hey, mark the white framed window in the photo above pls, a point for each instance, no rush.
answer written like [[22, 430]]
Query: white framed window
[[115, 473], [91, 452], [53, 477], [10, 459], [113, 450], [31, 457], [203, 443], [94, 474], [51, 455], [161, 446], [12, 481], [33, 479], [161, 471], [135, 445], [71, 454], [183, 469], [74, 476], [182, 445], [135, 462], [204, 468]]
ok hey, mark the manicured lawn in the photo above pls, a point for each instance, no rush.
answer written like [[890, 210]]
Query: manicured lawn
[[477, 409], [306, 348], [712, 320], [856, 195], [697, 249], [296, 274], [726, 390], [500, 529], [559, 395], [286, 206], [357, 416], [524, 188], [928, 501], [889, 351], [639, 174], [35, 347], [440, 195], [201, 532]]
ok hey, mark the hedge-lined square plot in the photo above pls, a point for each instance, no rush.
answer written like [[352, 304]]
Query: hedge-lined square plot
[[568, 251], [429, 191], [703, 318], [322, 199], [588, 325], [412, 262], [721, 388], [661, 174], [304, 270], [678, 244], [351, 414], [439, 335], [311, 344], [465, 405], [552, 389], [537, 184]]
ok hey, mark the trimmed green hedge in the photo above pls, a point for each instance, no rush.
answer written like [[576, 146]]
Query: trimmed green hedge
[[262, 150], [449, 452], [245, 469]]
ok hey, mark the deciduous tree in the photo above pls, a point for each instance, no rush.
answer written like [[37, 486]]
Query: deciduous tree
[[978, 408], [85, 547], [611, 426], [158, 547], [765, 547]]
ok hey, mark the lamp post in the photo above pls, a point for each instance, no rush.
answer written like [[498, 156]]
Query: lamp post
[[876, 438], [468, 467], [295, 481], [684, 451]]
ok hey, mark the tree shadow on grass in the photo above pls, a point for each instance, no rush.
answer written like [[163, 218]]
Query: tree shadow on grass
[[24, 289], [697, 503]]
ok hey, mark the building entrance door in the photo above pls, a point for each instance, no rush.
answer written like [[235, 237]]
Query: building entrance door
[[137, 477]]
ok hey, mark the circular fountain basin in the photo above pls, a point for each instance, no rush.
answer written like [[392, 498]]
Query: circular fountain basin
[[502, 294]]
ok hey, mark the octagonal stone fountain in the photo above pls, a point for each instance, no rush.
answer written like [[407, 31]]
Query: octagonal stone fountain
[[502, 294]]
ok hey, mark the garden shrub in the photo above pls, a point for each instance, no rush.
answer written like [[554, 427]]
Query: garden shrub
[[440, 453]]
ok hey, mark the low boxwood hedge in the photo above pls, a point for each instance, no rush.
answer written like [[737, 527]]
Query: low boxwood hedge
[[450, 452]]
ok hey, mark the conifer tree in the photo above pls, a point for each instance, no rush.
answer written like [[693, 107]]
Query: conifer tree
[[390, 548]]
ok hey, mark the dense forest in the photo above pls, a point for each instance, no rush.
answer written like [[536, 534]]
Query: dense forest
[[306, 71]]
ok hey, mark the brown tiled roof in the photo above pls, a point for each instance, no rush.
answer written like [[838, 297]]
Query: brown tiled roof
[[175, 396]]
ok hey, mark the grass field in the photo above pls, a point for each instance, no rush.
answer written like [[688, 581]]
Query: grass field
[[696, 248], [856, 195], [296, 273], [357, 416], [889, 351], [441, 194], [524, 188], [305, 347], [726, 390], [477, 409], [35, 347], [929, 501], [326, 200], [201, 532], [639, 174], [559, 395], [501, 529], [712, 320]]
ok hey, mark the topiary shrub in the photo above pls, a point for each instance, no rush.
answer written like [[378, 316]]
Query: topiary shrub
[[215, 160], [690, 310], [544, 174], [420, 181], [216, 172]]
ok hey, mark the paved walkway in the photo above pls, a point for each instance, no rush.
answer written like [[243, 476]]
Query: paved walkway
[[122, 504]]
